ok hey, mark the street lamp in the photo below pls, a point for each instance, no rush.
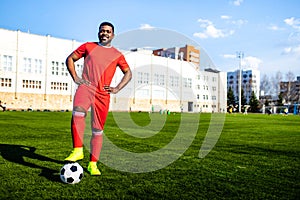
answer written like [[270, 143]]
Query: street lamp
[[240, 55]]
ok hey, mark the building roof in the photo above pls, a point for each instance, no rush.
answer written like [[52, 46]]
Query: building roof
[[211, 70]]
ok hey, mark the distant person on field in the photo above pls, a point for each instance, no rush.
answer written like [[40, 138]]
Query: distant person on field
[[286, 111], [100, 63], [246, 110], [230, 110], [3, 106]]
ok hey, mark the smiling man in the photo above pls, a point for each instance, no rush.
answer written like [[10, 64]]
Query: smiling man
[[100, 63]]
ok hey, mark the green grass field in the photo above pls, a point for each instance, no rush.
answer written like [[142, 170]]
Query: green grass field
[[256, 157]]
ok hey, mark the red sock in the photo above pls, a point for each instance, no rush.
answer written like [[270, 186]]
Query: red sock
[[96, 146], [78, 126]]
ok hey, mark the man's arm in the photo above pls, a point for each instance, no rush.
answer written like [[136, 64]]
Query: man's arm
[[70, 62], [126, 78]]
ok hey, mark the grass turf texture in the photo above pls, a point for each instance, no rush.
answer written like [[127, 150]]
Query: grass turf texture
[[256, 157]]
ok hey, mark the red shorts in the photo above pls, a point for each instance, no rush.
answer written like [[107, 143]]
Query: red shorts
[[87, 97]]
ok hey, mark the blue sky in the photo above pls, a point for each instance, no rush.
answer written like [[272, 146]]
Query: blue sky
[[266, 31]]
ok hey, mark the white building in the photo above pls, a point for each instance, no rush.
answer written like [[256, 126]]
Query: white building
[[169, 84], [250, 82], [33, 74]]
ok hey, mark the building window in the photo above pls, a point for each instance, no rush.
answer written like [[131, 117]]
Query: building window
[[189, 83], [27, 65], [143, 78], [60, 69], [64, 71], [185, 82], [176, 81], [161, 79], [214, 97], [140, 77], [59, 86], [146, 78], [38, 68], [79, 68], [156, 79], [7, 63], [214, 88], [33, 84], [5, 82], [55, 68], [171, 80]]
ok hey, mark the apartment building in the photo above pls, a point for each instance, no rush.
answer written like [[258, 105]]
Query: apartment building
[[250, 81], [290, 91], [187, 53]]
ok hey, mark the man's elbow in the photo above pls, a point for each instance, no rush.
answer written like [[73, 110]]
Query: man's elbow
[[68, 60], [129, 75]]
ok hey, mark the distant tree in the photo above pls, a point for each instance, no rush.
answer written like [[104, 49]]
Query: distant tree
[[280, 100], [243, 98], [267, 103], [254, 103], [276, 82], [266, 85], [290, 78], [230, 97]]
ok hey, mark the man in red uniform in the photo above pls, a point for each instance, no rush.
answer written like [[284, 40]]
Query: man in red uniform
[[100, 63]]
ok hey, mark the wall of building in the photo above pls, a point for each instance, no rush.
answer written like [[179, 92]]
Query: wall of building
[[33, 75], [168, 84], [33, 71]]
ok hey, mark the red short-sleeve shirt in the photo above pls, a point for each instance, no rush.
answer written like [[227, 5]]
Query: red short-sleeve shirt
[[100, 63]]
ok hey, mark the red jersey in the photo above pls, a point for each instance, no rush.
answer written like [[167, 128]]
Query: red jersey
[[100, 63]]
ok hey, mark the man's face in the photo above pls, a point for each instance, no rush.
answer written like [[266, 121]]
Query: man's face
[[105, 35]]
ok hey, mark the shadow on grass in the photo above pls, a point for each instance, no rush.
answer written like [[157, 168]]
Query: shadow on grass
[[17, 153]]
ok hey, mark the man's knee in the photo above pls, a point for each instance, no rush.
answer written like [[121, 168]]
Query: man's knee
[[79, 111], [97, 131]]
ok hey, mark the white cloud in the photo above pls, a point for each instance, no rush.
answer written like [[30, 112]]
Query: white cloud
[[204, 23], [251, 62], [274, 27], [292, 50], [229, 56], [239, 22], [237, 2], [294, 38], [210, 31], [146, 26], [225, 17], [247, 62], [295, 23]]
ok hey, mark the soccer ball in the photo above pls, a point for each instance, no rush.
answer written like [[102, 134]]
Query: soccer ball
[[71, 173]]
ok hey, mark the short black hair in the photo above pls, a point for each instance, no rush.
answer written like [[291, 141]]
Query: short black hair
[[107, 24]]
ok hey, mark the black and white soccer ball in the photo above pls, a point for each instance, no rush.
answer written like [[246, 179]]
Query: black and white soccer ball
[[71, 173]]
